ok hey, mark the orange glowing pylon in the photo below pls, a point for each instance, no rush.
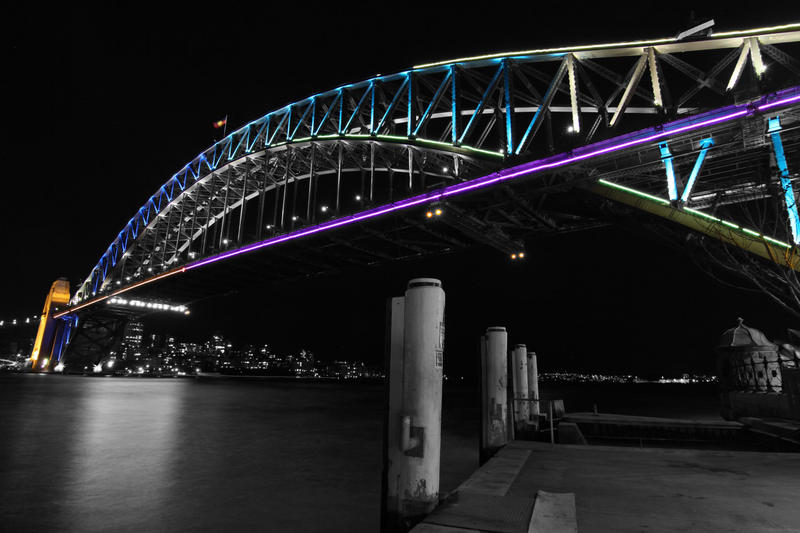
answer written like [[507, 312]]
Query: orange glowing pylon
[[57, 298]]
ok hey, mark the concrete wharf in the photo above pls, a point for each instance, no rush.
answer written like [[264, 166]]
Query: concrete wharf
[[541, 487]]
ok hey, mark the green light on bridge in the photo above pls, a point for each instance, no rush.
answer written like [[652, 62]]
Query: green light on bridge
[[394, 138], [695, 212]]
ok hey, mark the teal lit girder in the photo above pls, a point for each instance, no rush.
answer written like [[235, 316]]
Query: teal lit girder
[[783, 173], [467, 116], [672, 181]]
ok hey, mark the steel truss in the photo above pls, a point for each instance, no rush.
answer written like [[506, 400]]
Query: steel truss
[[393, 137]]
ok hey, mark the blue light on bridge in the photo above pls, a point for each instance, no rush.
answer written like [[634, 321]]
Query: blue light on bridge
[[786, 183], [666, 157], [705, 144]]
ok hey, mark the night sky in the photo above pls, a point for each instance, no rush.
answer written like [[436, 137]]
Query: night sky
[[103, 105]]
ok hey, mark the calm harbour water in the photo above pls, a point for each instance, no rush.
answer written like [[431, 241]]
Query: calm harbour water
[[124, 454]]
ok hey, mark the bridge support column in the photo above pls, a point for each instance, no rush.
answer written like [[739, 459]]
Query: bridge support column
[[49, 337], [494, 415], [533, 386], [520, 373], [412, 438]]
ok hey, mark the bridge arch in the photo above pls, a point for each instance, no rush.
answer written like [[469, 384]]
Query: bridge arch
[[469, 116]]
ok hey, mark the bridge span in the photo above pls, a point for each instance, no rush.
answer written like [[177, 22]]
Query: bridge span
[[492, 150]]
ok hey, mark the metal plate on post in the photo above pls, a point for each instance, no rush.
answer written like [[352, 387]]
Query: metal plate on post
[[417, 433]]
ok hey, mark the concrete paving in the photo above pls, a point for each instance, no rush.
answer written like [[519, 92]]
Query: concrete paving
[[623, 489]]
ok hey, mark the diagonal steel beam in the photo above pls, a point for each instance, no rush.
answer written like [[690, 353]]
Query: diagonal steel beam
[[537, 119], [633, 81]]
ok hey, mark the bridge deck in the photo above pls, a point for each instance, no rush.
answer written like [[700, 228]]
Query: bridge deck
[[627, 489]]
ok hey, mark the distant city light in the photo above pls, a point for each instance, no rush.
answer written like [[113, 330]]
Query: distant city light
[[148, 305], [59, 367], [358, 197], [324, 208]]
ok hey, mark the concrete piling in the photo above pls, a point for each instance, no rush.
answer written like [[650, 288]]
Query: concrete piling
[[494, 416], [520, 373], [533, 386], [412, 444]]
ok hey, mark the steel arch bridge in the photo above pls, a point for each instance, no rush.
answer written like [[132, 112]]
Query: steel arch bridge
[[687, 129]]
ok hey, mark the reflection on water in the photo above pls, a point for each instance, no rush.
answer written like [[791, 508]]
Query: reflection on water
[[114, 454], [124, 454], [124, 447]]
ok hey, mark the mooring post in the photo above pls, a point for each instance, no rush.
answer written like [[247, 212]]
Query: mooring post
[[412, 444], [521, 407], [494, 418], [533, 386], [510, 396]]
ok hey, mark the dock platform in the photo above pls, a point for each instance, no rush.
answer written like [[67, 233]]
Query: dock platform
[[532, 486]]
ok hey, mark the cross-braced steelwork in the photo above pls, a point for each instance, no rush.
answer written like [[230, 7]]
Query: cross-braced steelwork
[[439, 131]]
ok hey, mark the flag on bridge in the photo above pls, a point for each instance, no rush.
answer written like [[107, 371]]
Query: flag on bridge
[[220, 123]]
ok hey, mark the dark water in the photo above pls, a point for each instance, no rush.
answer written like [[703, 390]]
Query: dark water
[[114, 454]]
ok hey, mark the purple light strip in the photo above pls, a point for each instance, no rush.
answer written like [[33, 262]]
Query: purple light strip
[[587, 152], [535, 166], [779, 102], [415, 200]]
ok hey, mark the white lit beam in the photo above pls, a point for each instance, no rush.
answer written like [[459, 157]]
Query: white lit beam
[[658, 101], [755, 57], [632, 83], [573, 93], [737, 70], [696, 29]]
